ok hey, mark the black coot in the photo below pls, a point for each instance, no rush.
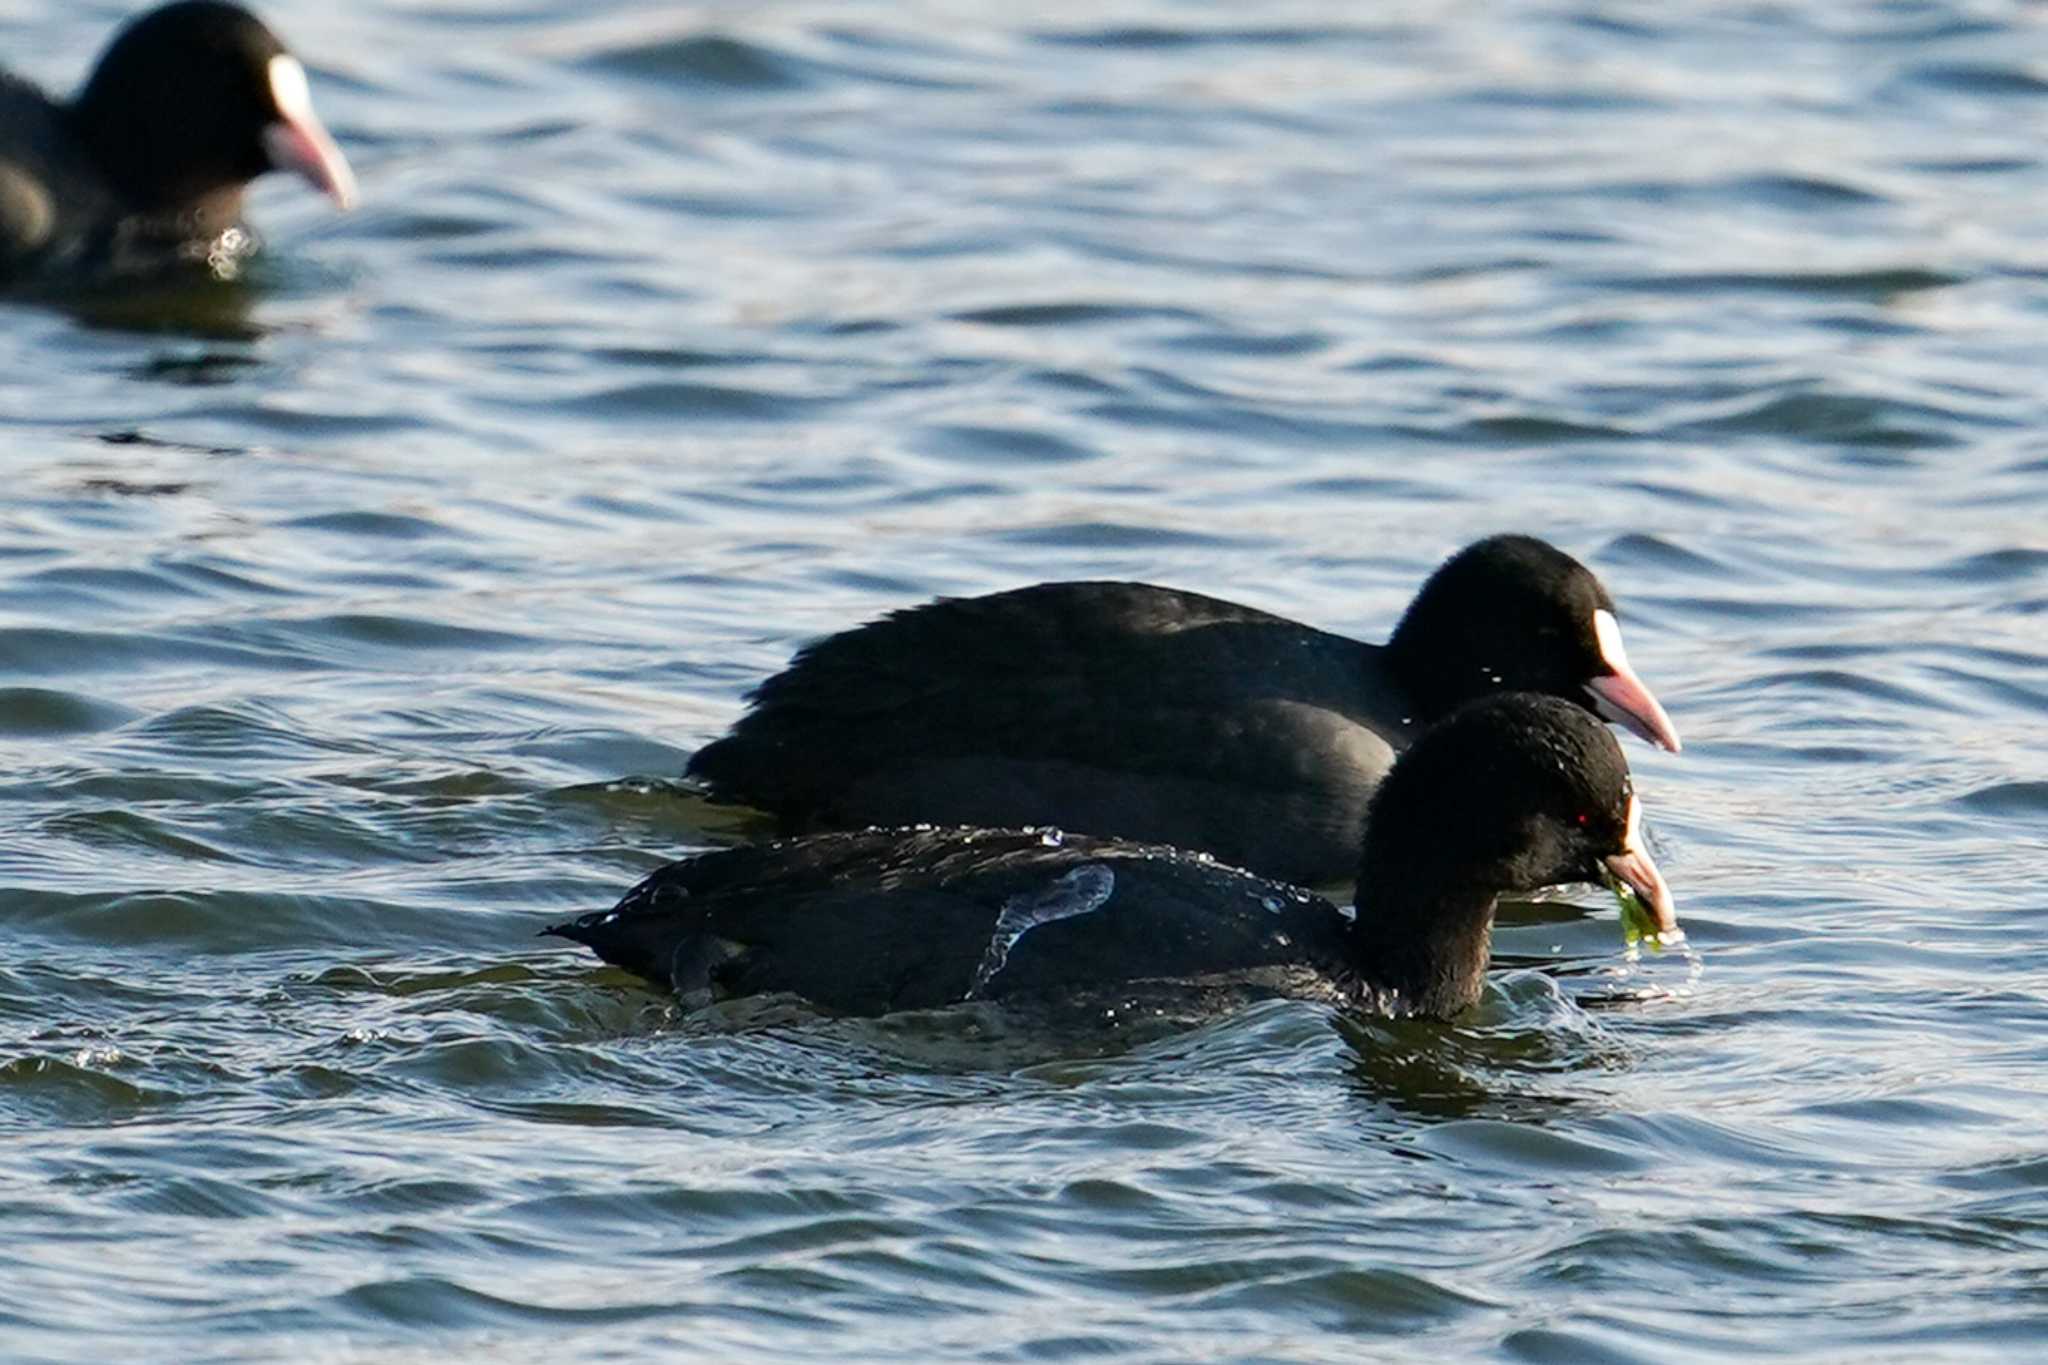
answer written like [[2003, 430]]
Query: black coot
[[147, 165], [1512, 793], [1147, 713]]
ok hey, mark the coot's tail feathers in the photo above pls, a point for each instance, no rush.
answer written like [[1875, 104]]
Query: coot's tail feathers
[[577, 930], [634, 942]]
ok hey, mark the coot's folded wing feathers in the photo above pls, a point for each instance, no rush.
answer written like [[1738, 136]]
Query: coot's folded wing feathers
[[1052, 630], [890, 920], [797, 916], [1165, 915], [1007, 709], [31, 142]]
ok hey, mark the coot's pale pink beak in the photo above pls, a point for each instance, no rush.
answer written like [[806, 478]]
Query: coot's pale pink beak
[[1632, 867], [1620, 696], [298, 142]]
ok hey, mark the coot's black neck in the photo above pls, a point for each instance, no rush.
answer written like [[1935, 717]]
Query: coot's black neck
[[207, 201], [1419, 952], [1434, 682]]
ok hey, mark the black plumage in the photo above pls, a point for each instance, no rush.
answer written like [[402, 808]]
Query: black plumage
[[1153, 714]]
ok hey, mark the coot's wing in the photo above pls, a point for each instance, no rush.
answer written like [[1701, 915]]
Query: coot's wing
[[888, 920], [1118, 708], [28, 210], [956, 662], [1163, 915], [27, 216], [864, 922]]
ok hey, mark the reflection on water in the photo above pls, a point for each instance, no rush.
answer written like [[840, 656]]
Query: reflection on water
[[200, 308], [357, 618]]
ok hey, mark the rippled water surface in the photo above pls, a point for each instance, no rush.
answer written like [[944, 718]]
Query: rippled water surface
[[357, 617]]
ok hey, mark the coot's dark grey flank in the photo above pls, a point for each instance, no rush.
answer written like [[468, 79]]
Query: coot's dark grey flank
[[1513, 793], [1148, 713]]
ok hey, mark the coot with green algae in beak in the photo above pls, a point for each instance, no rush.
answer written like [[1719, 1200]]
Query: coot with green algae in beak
[[1509, 794], [1153, 714], [148, 165]]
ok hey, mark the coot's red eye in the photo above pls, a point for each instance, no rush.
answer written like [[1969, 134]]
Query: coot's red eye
[[1584, 819]]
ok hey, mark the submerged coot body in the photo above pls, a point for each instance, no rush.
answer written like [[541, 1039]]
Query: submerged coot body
[[148, 164], [1513, 793], [1148, 713]]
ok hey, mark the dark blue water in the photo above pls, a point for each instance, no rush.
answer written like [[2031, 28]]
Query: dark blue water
[[356, 618]]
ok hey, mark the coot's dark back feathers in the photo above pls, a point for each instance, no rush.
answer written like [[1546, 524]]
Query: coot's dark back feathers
[[1018, 709], [1049, 631], [38, 172], [883, 920]]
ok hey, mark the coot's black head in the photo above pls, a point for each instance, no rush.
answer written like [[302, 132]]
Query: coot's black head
[[1511, 793], [1514, 613], [194, 100]]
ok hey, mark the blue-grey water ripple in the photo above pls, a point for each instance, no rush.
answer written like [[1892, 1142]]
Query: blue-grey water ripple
[[357, 617]]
